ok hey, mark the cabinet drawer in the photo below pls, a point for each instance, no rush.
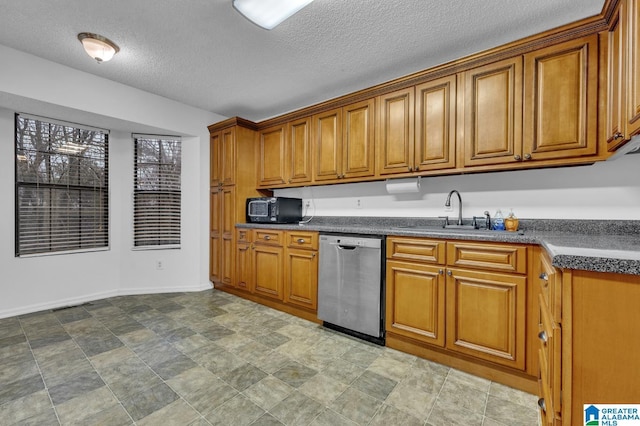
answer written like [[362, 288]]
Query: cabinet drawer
[[496, 257], [243, 235], [302, 240], [268, 237], [416, 250]]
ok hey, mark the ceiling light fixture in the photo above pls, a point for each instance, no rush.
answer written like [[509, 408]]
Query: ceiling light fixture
[[269, 13], [98, 47]]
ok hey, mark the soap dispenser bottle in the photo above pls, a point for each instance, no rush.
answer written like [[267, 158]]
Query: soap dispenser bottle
[[511, 222], [498, 221]]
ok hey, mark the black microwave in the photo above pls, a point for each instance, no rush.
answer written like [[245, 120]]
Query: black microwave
[[274, 210]]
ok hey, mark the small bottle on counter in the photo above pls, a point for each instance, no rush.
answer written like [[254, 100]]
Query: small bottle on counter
[[498, 221], [511, 222]]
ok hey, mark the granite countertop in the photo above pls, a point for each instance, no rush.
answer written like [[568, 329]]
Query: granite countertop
[[592, 245]]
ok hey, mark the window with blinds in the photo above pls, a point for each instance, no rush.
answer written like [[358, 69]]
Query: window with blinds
[[61, 176], [157, 197]]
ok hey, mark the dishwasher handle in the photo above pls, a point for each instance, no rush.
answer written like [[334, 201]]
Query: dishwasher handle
[[346, 247]]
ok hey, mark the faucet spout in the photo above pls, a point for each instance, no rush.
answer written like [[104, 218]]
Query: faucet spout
[[448, 204]]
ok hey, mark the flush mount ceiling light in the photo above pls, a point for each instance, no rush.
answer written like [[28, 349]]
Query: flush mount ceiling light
[[269, 13], [99, 48]]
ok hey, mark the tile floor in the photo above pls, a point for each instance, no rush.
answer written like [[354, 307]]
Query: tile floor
[[210, 358]]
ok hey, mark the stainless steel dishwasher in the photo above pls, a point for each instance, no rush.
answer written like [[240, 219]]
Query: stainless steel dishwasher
[[350, 285]]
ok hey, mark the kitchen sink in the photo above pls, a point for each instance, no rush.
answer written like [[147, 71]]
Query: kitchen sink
[[447, 229]]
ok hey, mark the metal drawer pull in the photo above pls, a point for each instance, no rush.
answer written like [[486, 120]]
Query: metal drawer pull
[[449, 273], [542, 404], [441, 271], [300, 240], [543, 336], [267, 237], [544, 276]]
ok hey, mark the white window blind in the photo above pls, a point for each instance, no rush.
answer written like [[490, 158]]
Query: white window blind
[[157, 194], [61, 178]]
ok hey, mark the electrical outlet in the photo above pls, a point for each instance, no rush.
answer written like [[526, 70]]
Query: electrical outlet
[[358, 204], [159, 265], [307, 204]]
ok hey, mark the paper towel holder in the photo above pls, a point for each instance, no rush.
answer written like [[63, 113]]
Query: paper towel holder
[[403, 185]]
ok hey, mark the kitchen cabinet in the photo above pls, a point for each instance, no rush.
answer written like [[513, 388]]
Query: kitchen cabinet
[[344, 142], [284, 154], [232, 181], [584, 342], [452, 301], [561, 106], [272, 156], [415, 290], [243, 266], [301, 269], [491, 104], [614, 122], [417, 128], [631, 36], [267, 263]]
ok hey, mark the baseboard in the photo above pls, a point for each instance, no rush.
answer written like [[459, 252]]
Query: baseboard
[[62, 303]]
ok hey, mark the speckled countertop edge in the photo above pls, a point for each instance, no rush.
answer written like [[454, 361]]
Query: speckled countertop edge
[[591, 245]]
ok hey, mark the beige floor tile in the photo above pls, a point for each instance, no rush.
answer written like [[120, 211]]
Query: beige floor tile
[[177, 413], [268, 392], [323, 388]]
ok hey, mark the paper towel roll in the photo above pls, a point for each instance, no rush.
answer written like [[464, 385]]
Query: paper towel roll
[[403, 186]]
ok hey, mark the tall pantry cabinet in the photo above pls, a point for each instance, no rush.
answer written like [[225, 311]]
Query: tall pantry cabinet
[[233, 180]]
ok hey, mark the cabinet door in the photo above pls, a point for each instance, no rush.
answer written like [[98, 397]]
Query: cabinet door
[[493, 113], [215, 244], [271, 157], [415, 301], [267, 271], [395, 135], [301, 278], [227, 230], [299, 151], [358, 139], [215, 149], [244, 270], [615, 101], [328, 149], [632, 49], [228, 156], [435, 144], [486, 316], [561, 89]]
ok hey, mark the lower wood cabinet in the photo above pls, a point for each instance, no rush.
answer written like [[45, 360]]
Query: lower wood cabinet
[[278, 268], [587, 345], [460, 315]]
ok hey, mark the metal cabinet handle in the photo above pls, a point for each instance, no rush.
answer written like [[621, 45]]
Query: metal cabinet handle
[[543, 336], [544, 276], [618, 135], [441, 271], [542, 404], [449, 273], [313, 254], [517, 157], [267, 237], [300, 240], [527, 156]]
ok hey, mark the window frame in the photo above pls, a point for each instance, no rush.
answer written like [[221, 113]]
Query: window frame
[[163, 179], [98, 189]]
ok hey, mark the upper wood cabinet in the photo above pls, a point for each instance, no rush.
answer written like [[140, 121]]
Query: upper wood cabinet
[[299, 151], [631, 35], [435, 143], [561, 90], [284, 154], [344, 142], [272, 156], [228, 156], [614, 122], [491, 104], [215, 151], [396, 132]]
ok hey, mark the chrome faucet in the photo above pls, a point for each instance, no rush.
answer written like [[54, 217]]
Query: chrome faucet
[[448, 204]]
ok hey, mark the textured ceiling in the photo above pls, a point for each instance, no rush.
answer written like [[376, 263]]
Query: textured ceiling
[[205, 54]]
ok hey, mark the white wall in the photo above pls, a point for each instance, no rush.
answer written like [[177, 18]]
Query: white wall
[[32, 85], [605, 190]]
